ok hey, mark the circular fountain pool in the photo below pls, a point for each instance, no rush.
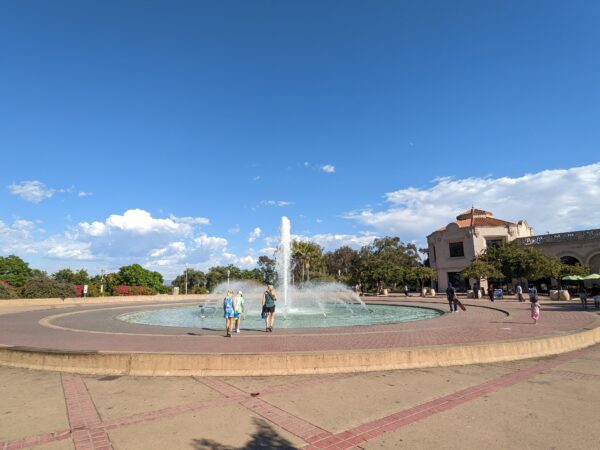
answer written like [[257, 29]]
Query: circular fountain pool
[[331, 315]]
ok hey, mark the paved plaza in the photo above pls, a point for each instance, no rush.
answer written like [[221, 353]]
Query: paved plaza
[[539, 403]]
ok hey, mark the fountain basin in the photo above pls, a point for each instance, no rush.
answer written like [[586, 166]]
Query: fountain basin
[[330, 315]]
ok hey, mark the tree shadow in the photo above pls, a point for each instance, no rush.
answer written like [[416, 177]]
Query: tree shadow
[[265, 438]]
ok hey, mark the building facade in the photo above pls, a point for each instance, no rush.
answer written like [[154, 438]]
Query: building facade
[[573, 247], [453, 247]]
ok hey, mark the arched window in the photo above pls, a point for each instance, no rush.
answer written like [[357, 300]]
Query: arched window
[[570, 260]]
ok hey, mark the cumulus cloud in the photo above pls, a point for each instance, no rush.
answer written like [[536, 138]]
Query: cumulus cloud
[[23, 238], [140, 222], [84, 194], [328, 168], [31, 191], [550, 200], [254, 235]]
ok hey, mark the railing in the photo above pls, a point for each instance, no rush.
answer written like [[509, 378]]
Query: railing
[[586, 235]]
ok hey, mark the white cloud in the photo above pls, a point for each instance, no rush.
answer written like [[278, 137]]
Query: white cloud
[[328, 168], [234, 230], [140, 222], [276, 203], [550, 200], [84, 194], [31, 191], [23, 238], [211, 242], [254, 235], [329, 241], [36, 191]]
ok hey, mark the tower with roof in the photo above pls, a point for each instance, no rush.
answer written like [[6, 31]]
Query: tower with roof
[[453, 247]]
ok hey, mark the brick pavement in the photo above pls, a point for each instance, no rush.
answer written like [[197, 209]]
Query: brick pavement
[[89, 431], [98, 330]]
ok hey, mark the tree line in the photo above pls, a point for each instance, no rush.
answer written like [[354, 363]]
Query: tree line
[[513, 261], [387, 263]]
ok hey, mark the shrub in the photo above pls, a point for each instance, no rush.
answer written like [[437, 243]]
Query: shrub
[[42, 287], [133, 290], [7, 291]]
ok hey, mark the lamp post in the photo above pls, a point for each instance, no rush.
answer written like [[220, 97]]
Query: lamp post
[[186, 279]]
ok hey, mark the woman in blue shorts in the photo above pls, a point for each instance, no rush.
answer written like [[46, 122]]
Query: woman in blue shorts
[[229, 312]]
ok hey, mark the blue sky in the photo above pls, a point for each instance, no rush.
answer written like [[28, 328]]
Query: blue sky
[[176, 132]]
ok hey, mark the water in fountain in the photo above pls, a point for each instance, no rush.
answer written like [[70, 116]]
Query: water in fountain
[[284, 258]]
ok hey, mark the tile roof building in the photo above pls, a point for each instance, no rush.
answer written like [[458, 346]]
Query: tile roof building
[[453, 247]]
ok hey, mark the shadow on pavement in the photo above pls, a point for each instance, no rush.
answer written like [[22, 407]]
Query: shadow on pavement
[[265, 438]]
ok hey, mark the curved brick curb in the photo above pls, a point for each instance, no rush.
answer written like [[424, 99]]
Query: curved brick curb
[[485, 334]]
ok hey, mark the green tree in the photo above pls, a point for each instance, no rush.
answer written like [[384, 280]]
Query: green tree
[[479, 268], [218, 274], [267, 269], [421, 274], [69, 276], [306, 257], [196, 281], [136, 275], [14, 270], [342, 262], [386, 263]]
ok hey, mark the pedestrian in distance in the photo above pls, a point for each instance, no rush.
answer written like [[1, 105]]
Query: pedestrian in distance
[[533, 293], [520, 293], [406, 290], [583, 296], [238, 303], [268, 303], [596, 295], [535, 309], [452, 300], [491, 292], [228, 312]]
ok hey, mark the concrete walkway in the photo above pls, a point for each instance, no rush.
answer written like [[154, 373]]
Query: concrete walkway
[[549, 403]]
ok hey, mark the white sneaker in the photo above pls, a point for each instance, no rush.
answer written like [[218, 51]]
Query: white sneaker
[[237, 331]]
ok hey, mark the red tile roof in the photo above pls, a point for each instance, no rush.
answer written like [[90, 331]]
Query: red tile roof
[[473, 212], [466, 220]]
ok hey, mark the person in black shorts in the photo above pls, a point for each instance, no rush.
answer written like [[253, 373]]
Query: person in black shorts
[[452, 300], [268, 305]]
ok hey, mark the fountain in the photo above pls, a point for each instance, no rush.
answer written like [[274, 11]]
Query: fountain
[[308, 305]]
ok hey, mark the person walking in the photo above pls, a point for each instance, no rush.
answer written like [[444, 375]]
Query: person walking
[[228, 312], [520, 293], [238, 303], [583, 296], [491, 292], [596, 295], [406, 290], [452, 300], [268, 303], [533, 293], [535, 309]]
